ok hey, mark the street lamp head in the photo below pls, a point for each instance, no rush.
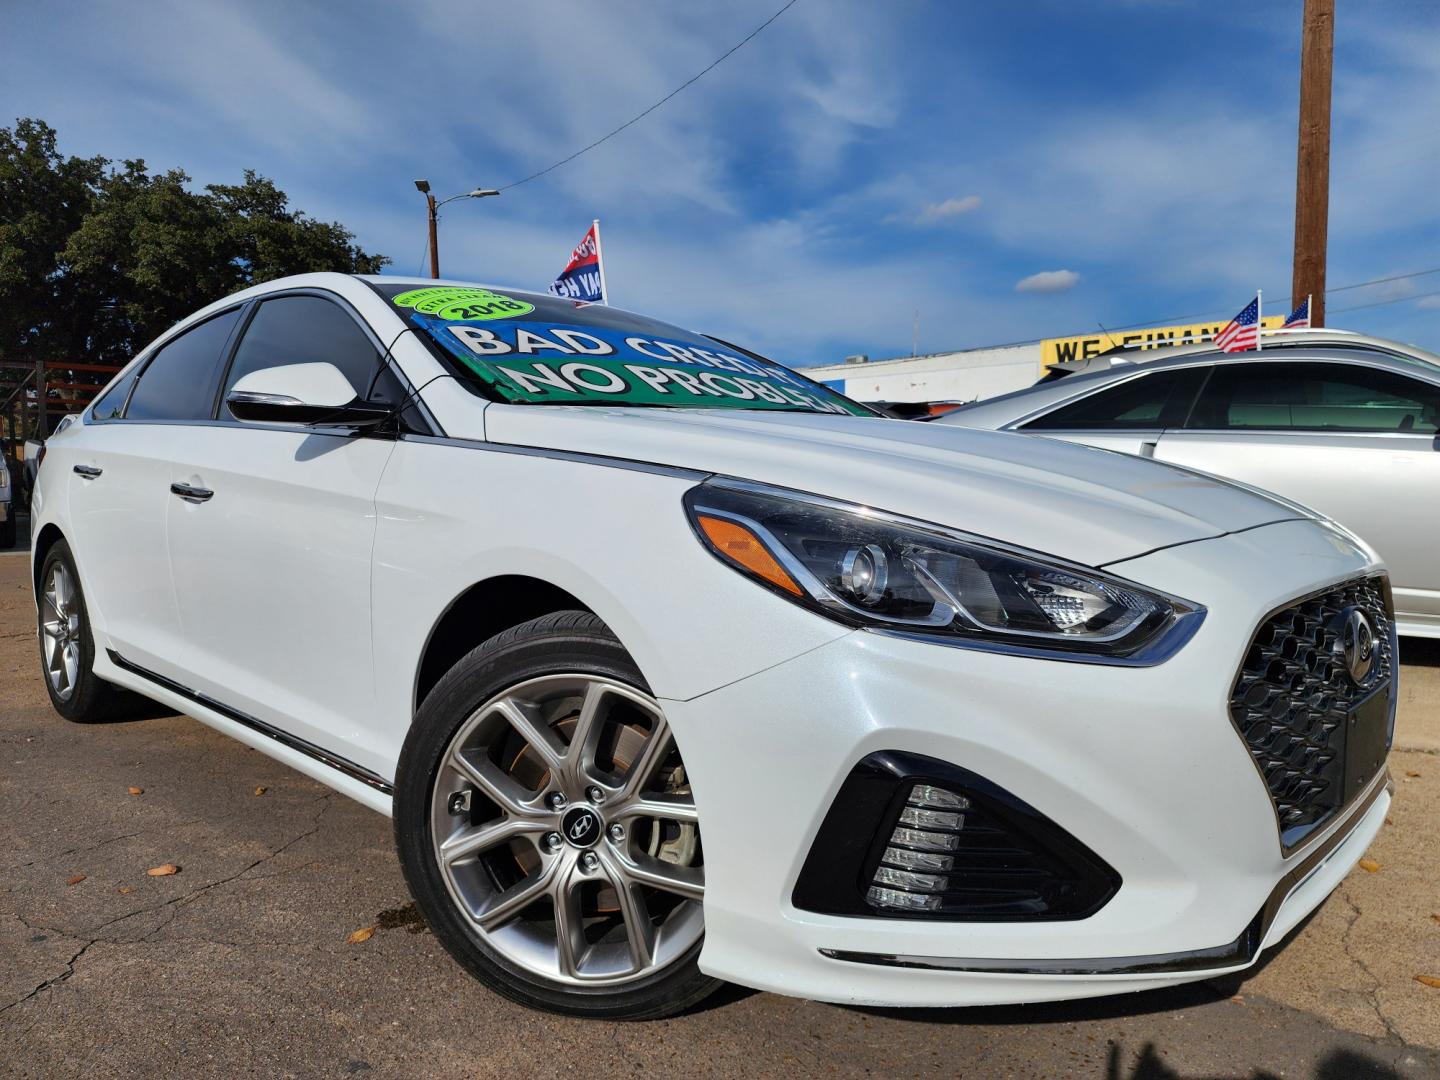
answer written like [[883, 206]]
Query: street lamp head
[[422, 186], [480, 193]]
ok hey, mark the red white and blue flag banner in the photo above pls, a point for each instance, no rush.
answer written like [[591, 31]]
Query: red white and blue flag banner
[[1299, 319], [1243, 331], [583, 279]]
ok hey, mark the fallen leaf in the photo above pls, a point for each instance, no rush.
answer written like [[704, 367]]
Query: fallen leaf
[[1429, 980], [1369, 865], [261, 790], [1411, 773], [137, 791], [1238, 999], [171, 868], [1435, 915], [365, 933], [125, 890], [76, 879]]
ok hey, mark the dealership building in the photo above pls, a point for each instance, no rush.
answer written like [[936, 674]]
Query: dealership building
[[971, 374], [949, 376]]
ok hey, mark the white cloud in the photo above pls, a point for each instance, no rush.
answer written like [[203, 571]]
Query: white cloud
[[949, 208], [1048, 281], [1429, 303]]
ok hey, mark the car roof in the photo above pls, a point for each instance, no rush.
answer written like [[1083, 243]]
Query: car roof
[[1293, 346]]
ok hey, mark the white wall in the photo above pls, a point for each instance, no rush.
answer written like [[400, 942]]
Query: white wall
[[955, 376]]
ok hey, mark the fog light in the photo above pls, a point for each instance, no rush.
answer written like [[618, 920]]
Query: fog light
[[914, 870]]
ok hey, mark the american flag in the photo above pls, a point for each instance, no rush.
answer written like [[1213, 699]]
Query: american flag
[[1243, 331], [1299, 319]]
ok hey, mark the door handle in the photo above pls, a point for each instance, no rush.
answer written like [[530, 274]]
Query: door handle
[[192, 494], [89, 472]]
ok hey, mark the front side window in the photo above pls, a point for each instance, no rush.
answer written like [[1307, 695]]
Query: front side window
[[306, 330], [1316, 397], [530, 349], [179, 382], [1157, 400]]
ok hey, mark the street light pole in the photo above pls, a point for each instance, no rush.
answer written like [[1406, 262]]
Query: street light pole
[[432, 207]]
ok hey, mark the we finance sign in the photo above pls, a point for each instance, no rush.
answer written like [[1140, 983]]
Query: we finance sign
[[1057, 350]]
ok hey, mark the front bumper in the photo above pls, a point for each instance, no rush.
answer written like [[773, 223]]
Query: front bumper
[[1142, 765]]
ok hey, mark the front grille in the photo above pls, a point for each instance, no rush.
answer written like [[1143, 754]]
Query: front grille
[[1294, 696]]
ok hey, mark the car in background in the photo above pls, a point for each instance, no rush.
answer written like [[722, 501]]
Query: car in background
[[9, 498], [1343, 423], [674, 666]]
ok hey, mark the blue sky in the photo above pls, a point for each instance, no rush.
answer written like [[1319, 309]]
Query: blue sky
[[854, 163]]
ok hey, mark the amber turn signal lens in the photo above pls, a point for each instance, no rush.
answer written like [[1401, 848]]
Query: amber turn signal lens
[[741, 546]]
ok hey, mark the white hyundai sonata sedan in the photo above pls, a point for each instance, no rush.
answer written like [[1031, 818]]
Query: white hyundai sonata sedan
[[672, 666]]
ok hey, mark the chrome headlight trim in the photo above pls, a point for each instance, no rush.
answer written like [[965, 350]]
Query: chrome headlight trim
[[1183, 620]]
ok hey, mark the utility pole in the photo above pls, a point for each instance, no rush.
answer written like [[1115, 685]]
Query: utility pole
[[434, 237], [1312, 163]]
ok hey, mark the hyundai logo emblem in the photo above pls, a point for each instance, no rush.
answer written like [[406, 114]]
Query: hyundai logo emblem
[[581, 827], [1355, 644]]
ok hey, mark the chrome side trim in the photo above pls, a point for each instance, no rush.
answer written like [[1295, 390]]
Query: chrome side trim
[[576, 456], [284, 738], [1241, 951]]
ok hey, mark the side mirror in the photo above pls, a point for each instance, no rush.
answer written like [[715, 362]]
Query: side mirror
[[316, 395]]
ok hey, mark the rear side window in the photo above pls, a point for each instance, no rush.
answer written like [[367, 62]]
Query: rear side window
[[112, 403], [1317, 397], [1157, 400], [179, 381], [307, 330]]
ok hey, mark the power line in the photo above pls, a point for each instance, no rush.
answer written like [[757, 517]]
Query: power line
[[1173, 319], [635, 119], [1338, 288], [1382, 303]]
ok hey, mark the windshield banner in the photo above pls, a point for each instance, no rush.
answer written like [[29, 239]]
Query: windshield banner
[[543, 362]]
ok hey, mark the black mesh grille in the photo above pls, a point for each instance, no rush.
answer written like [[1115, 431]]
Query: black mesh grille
[[1294, 696]]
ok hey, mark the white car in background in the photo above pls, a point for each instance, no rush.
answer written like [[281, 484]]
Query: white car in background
[[1346, 424], [673, 666]]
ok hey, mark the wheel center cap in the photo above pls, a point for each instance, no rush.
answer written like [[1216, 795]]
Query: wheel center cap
[[581, 826]]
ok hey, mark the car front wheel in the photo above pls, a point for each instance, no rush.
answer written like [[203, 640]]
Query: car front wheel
[[547, 828]]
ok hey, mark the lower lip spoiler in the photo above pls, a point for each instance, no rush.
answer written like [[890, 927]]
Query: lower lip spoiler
[[1218, 958]]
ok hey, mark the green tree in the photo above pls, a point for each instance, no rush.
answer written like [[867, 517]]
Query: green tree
[[96, 259]]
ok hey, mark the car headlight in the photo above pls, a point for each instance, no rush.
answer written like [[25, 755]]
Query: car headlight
[[874, 570]]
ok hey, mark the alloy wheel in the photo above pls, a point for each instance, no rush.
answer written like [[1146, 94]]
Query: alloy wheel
[[565, 830], [60, 630]]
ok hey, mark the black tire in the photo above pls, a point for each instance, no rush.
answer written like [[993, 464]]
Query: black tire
[[8, 529], [568, 642], [91, 700]]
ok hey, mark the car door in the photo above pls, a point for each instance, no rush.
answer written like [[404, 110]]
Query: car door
[[1354, 441], [1128, 414], [271, 537], [119, 491]]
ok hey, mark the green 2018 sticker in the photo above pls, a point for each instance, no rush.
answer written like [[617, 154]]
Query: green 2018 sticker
[[459, 304]]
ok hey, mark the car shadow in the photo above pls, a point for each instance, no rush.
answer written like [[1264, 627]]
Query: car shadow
[[1338, 1065]]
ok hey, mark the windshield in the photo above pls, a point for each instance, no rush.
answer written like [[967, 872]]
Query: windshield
[[532, 349]]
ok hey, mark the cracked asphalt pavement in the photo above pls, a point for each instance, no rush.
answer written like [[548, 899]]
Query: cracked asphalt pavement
[[239, 964]]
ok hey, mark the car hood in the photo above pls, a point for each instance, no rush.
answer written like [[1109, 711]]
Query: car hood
[[1087, 505]]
